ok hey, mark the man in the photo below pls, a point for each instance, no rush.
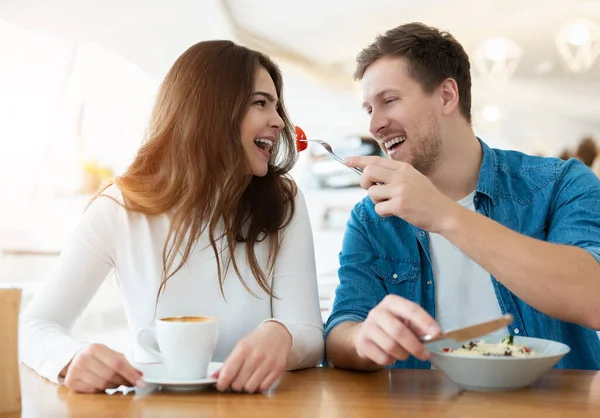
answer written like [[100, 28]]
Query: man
[[453, 232]]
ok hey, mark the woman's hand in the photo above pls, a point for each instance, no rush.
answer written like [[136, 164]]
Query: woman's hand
[[97, 368], [257, 361]]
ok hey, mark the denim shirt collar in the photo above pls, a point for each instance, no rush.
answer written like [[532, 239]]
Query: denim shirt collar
[[488, 172], [486, 184]]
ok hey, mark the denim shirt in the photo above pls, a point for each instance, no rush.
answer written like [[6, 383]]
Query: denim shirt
[[544, 198]]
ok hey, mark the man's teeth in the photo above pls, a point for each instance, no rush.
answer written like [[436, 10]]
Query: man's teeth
[[389, 144], [267, 142]]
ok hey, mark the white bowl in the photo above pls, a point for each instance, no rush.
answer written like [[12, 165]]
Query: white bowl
[[497, 373]]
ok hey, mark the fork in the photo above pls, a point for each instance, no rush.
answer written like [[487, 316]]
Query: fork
[[333, 154]]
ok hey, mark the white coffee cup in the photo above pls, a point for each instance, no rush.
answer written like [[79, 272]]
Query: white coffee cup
[[186, 344]]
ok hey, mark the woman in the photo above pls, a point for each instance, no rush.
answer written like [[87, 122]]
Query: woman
[[204, 222]]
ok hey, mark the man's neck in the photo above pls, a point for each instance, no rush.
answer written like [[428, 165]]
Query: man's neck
[[457, 173]]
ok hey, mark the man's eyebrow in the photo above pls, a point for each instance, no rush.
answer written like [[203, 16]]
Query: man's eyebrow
[[378, 95]]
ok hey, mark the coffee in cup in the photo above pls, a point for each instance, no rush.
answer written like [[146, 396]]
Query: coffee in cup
[[185, 344]]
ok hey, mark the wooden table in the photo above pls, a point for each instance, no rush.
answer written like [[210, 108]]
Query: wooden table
[[331, 393]]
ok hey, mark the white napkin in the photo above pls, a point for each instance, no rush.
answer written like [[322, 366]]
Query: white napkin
[[136, 390]]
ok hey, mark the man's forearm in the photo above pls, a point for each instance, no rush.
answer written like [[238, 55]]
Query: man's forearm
[[341, 351], [562, 281]]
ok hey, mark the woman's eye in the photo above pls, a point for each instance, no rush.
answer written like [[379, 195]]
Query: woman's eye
[[388, 101], [261, 103]]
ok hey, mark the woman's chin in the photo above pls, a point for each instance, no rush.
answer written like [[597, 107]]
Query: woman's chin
[[260, 171]]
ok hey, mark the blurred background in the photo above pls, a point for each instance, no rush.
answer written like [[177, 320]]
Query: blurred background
[[78, 79]]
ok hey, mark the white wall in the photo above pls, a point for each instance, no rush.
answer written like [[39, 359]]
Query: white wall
[[149, 33]]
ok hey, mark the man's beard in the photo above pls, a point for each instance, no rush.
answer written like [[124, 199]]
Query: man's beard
[[428, 150]]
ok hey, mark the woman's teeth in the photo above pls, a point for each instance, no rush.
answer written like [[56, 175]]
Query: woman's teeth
[[265, 144], [398, 140]]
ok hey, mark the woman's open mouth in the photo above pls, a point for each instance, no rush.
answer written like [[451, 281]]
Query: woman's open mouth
[[264, 145]]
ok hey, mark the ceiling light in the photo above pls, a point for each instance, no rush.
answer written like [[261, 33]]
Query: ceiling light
[[578, 43], [490, 113], [497, 58]]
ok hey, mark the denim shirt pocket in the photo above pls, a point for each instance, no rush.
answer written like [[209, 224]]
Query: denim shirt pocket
[[399, 276]]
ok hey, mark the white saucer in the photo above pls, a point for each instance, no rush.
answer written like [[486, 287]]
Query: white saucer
[[155, 374]]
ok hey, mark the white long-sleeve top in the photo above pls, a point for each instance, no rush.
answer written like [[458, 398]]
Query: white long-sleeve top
[[110, 237]]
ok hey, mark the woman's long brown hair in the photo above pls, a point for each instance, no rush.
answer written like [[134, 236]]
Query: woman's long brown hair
[[193, 166]]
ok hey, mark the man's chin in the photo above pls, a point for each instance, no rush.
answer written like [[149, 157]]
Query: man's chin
[[397, 158]]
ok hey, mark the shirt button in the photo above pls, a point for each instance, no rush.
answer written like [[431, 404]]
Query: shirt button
[[517, 330], [422, 233], [395, 276], [429, 282]]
